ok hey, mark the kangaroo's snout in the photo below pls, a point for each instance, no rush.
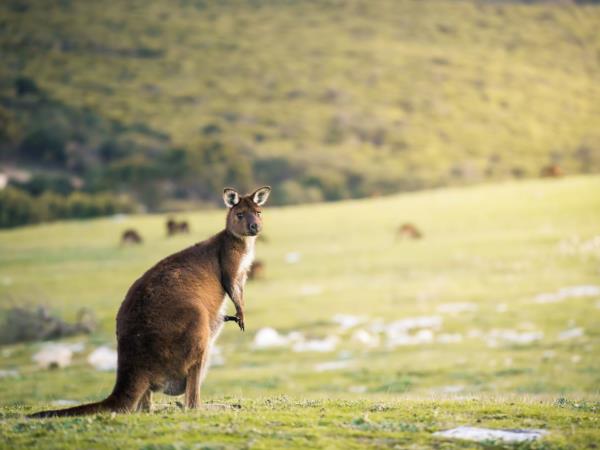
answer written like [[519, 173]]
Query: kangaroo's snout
[[254, 228]]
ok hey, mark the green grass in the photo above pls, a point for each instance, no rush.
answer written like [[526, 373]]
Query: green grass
[[494, 246], [280, 422]]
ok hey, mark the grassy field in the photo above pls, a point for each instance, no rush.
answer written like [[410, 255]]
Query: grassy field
[[484, 347]]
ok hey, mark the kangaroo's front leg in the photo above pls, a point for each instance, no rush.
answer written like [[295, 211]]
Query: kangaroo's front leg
[[236, 294]]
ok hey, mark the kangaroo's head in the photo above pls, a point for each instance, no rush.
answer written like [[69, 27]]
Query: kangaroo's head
[[244, 215]]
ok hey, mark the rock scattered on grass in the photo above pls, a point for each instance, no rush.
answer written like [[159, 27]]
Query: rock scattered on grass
[[268, 337], [568, 292], [61, 403], [292, 257], [53, 356], [9, 373], [571, 333], [333, 365], [103, 358], [328, 344], [347, 321], [216, 357], [365, 338], [498, 336], [309, 290], [488, 434], [456, 308]]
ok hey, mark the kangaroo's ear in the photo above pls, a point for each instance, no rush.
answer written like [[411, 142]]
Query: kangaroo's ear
[[261, 195], [230, 197]]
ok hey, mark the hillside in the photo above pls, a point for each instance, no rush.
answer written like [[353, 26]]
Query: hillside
[[324, 99], [500, 297]]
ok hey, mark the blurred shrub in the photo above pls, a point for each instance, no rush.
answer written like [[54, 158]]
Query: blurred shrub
[[43, 146], [17, 207], [39, 184], [291, 192], [25, 85]]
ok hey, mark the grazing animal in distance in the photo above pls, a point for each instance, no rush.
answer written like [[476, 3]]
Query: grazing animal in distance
[[131, 236], [551, 171], [410, 231], [173, 314], [174, 227], [257, 270]]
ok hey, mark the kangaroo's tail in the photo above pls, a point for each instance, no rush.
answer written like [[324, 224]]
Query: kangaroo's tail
[[125, 396], [90, 408]]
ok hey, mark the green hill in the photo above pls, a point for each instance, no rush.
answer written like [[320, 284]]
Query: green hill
[[325, 99]]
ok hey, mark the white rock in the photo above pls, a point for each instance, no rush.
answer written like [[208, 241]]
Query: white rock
[[103, 358], [456, 308], [347, 321], [76, 347], [53, 355], [487, 434], [269, 337], [332, 365], [452, 389], [403, 339], [568, 292], [9, 373], [310, 289], [358, 389], [216, 358], [63, 403], [495, 337], [501, 307], [292, 257], [365, 338], [328, 344], [572, 333], [412, 323], [449, 338]]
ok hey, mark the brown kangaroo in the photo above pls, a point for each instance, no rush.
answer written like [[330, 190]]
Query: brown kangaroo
[[131, 236], [410, 231], [174, 227], [173, 314]]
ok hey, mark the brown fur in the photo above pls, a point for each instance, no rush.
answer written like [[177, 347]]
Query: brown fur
[[131, 236], [173, 313], [410, 231]]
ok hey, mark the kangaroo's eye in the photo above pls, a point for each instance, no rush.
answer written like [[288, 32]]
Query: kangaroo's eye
[[240, 216]]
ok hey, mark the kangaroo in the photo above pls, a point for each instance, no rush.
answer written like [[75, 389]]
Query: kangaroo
[[131, 236], [172, 315], [410, 231]]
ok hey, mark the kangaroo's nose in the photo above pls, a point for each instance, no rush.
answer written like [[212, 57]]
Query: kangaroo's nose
[[253, 227]]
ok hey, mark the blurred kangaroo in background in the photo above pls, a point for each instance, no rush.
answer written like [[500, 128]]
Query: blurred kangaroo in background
[[174, 227], [173, 314], [131, 236]]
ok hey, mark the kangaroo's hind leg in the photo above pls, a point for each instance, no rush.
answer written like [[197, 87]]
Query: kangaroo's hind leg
[[145, 403], [193, 382]]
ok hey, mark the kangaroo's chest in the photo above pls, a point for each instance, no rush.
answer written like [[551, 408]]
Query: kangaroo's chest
[[244, 266]]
